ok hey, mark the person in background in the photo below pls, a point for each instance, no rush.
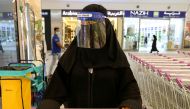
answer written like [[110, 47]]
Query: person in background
[[1, 47], [94, 71], [145, 41], [154, 48], [56, 50]]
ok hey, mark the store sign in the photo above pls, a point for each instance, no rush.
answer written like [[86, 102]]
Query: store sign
[[172, 14], [155, 14], [70, 13], [115, 13], [45, 13], [73, 13], [6, 15], [137, 13]]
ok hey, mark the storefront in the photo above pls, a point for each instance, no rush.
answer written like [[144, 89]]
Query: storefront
[[7, 30], [8, 39], [116, 18], [69, 24], [139, 26]]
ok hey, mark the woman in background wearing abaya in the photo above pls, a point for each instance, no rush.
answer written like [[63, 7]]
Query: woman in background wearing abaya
[[154, 48], [93, 78]]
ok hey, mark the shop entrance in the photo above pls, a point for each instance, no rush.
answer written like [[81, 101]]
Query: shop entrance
[[150, 27], [138, 33], [69, 29]]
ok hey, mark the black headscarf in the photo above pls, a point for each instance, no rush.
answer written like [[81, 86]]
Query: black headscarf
[[111, 55]]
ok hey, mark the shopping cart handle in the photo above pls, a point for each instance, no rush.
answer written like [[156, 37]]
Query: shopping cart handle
[[168, 76], [181, 62], [17, 64], [188, 87], [179, 82], [159, 72], [140, 61], [148, 65], [32, 60]]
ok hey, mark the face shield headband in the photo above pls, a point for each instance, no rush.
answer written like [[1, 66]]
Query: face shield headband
[[92, 32]]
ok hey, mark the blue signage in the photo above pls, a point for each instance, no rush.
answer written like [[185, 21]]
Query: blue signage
[[137, 13], [172, 14], [155, 14]]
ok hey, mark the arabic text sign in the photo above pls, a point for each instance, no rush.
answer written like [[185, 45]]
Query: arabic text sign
[[73, 13], [115, 13], [154, 14], [172, 14]]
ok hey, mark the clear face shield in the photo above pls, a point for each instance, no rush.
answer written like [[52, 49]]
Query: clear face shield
[[92, 33]]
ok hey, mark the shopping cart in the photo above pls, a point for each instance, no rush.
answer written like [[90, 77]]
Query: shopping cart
[[163, 80]]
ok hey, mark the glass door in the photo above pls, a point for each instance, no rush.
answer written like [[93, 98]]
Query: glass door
[[150, 27]]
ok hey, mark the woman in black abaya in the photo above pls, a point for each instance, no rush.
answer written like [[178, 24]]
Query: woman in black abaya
[[154, 48], [93, 77]]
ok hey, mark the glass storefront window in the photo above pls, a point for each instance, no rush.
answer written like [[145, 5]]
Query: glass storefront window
[[8, 48], [131, 33], [69, 29], [175, 33]]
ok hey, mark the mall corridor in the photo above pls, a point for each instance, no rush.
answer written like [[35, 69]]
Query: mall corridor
[[120, 54]]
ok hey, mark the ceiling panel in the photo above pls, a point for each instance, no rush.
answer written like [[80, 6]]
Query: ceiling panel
[[126, 1]]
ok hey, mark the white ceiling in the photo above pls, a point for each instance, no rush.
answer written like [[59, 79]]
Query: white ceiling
[[124, 1]]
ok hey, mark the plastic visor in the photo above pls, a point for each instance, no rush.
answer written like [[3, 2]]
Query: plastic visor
[[92, 33]]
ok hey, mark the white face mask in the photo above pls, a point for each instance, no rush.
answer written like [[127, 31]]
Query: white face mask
[[58, 33]]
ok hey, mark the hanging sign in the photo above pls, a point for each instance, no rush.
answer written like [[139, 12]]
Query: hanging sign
[[110, 13], [70, 13], [155, 14], [115, 13]]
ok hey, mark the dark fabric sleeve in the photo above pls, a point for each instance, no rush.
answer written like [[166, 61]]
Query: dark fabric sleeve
[[129, 94], [49, 104], [56, 92]]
